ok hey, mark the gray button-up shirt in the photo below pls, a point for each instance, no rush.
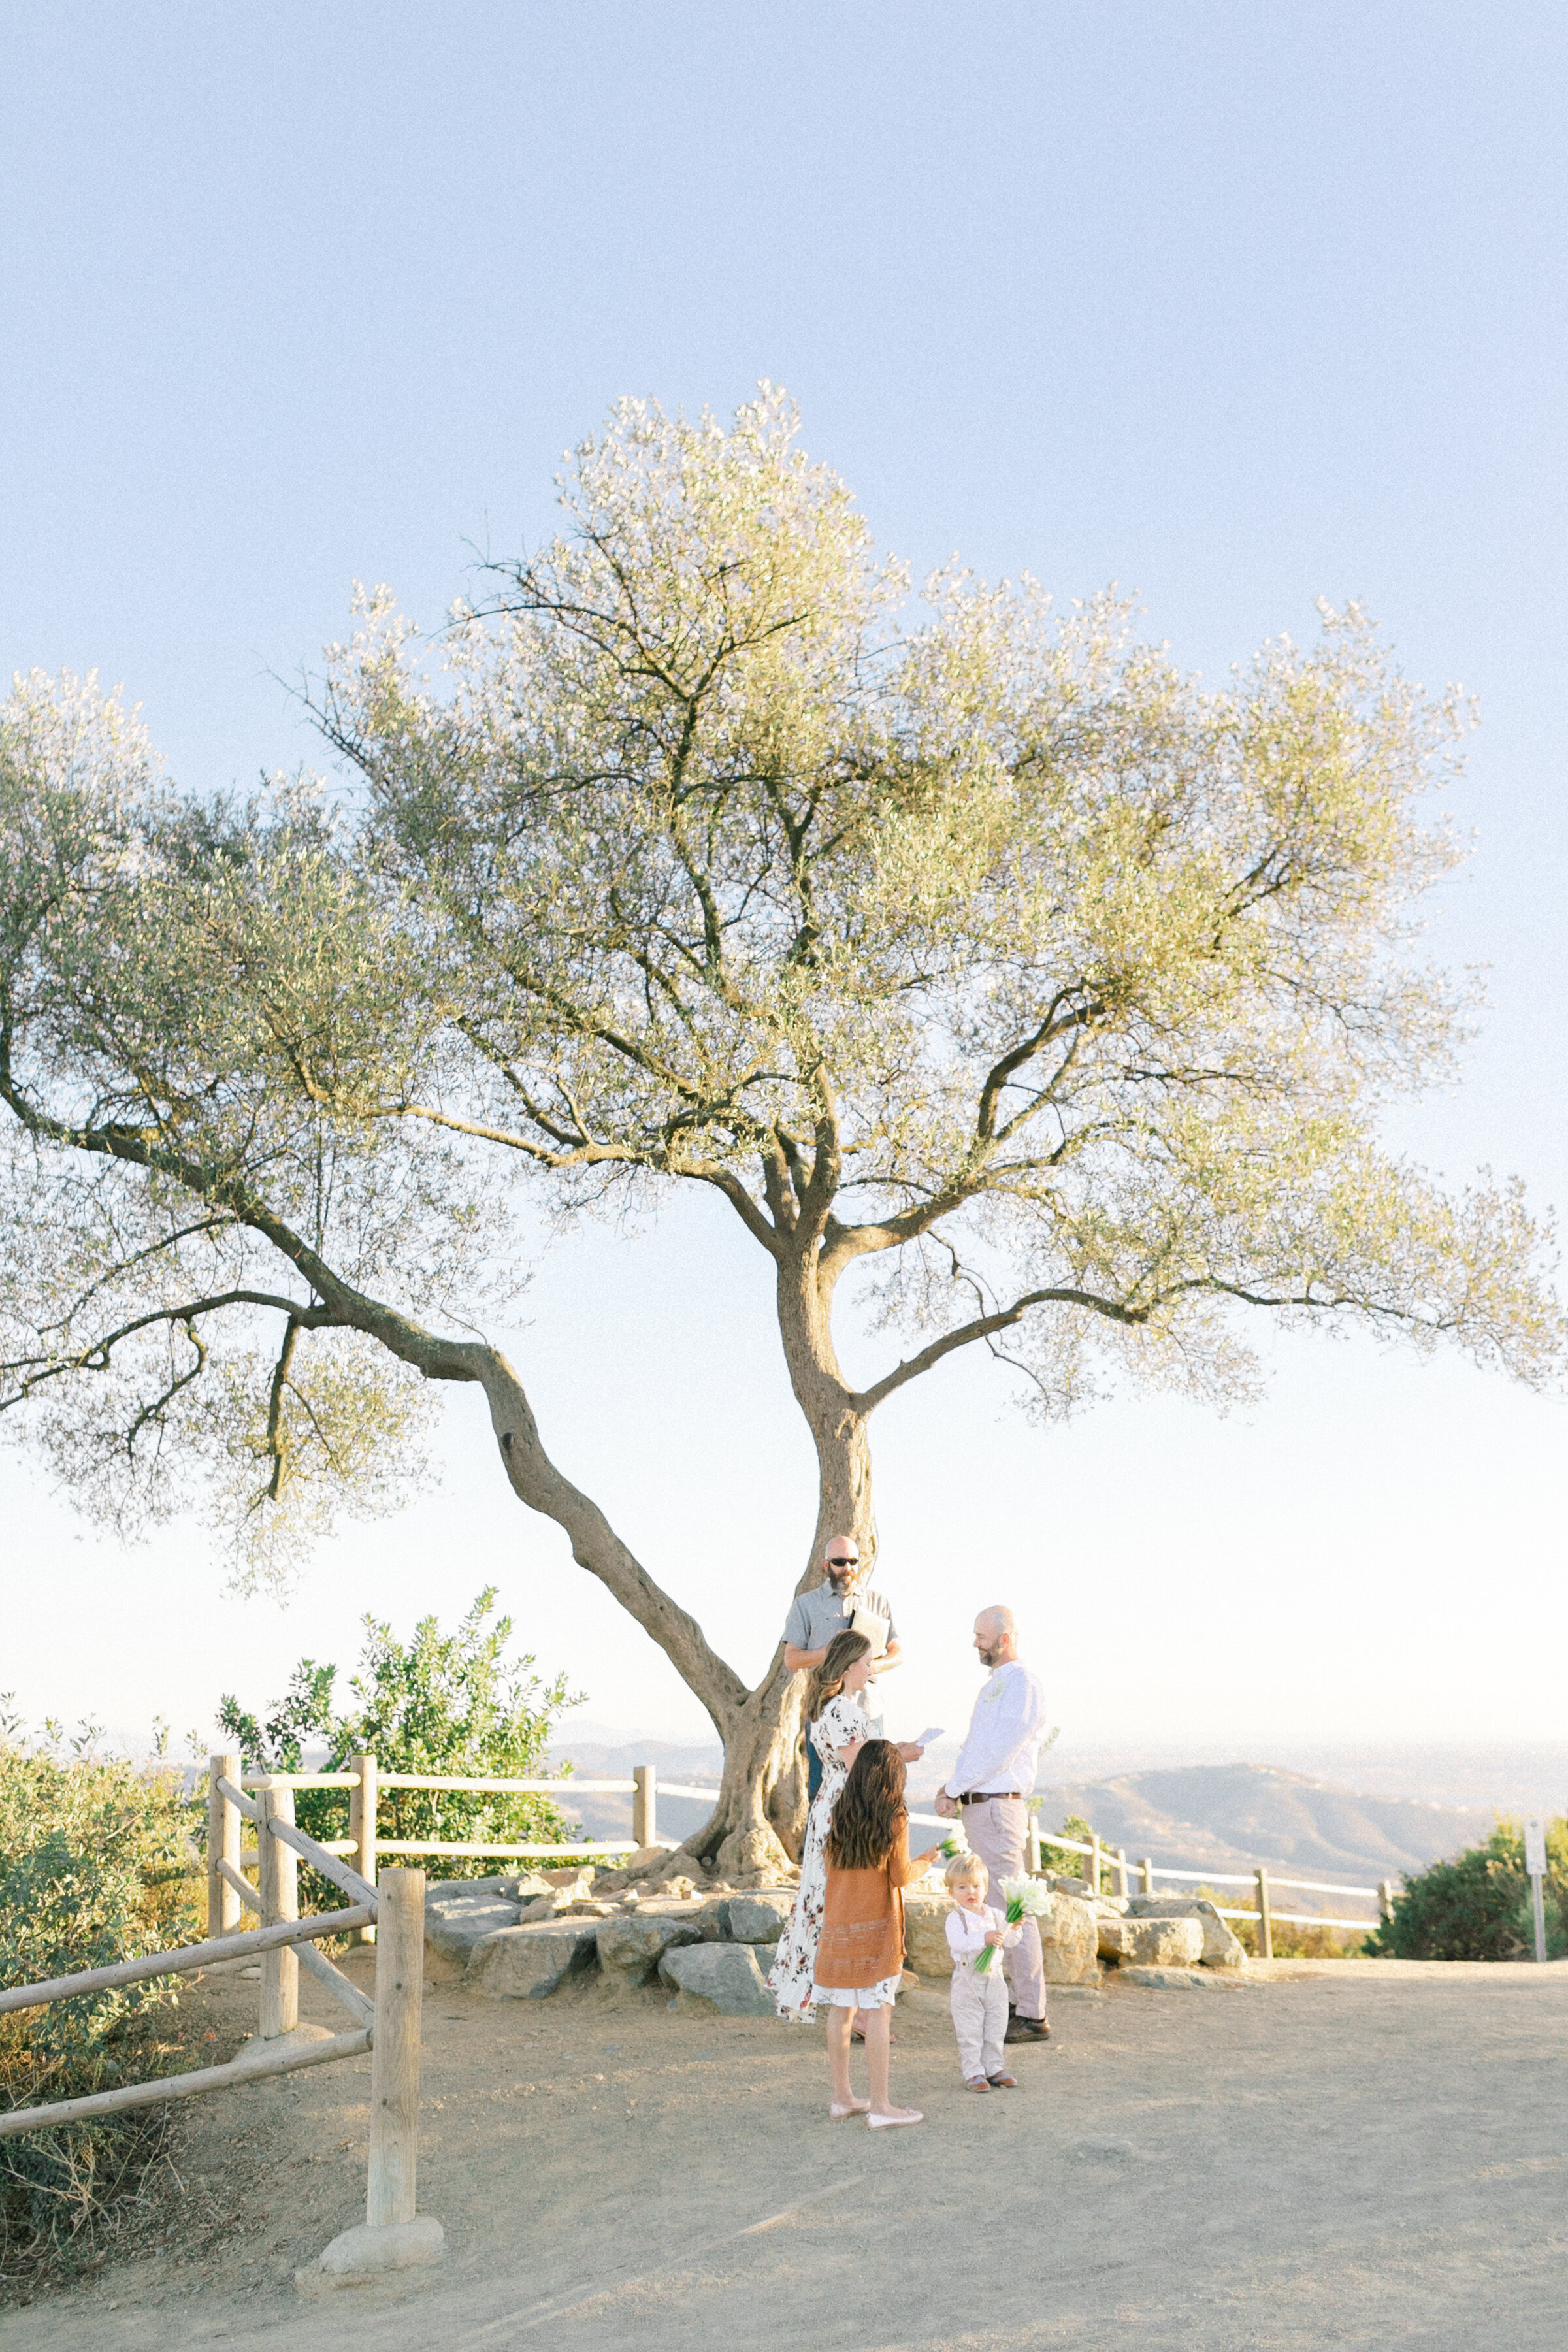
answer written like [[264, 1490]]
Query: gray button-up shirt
[[815, 1616]]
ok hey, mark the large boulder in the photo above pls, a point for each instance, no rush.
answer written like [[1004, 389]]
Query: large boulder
[[725, 1975], [631, 1944], [1069, 1939], [525, 1963], [455, 1924], [925, 1936], [760, 1915], [1221, 1948], [1160, 1943]]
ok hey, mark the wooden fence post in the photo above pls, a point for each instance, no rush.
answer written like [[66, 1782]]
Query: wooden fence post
[[1032, 1846], [1121, 1872], [645, 1804], [1265, 1918], [1091, 1866], [1385, 1898], [394, 2052], [1146, 1875], [280, 1894], [223, 1824], [362, 1827]]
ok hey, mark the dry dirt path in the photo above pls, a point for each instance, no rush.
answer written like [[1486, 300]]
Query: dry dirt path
[[1350, 2155]]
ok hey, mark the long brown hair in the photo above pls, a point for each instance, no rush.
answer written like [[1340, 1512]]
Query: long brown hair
[[827, 1679], [869, 1817]]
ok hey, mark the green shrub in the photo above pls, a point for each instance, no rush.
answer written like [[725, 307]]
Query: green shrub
[[1061, 1859], [448, 1704], [95, 1866], [1478, 1906]]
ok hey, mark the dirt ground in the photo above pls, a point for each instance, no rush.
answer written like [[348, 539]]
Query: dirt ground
[[1343, 2154]]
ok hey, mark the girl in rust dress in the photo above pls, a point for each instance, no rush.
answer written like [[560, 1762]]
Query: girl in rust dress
[[861, 1952]]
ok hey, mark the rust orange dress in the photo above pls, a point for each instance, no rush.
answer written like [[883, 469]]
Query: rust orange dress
[[860, 1954]]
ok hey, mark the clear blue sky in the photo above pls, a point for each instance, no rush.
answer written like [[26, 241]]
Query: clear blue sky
[[1235, 306]]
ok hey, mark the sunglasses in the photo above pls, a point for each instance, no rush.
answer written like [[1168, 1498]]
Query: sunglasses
[[843, 1563]]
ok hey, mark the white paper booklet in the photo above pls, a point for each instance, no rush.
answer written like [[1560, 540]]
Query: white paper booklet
[[927, 1737]]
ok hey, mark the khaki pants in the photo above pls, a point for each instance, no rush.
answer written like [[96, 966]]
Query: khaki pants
[[979, 2006], [997, 1831]]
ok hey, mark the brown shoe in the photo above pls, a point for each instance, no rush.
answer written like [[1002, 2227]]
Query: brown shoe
[[1002, 2082], [1026, 2029], [976, 2083]]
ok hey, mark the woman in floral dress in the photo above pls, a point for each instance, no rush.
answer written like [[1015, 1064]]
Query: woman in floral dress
[[836, 1724]]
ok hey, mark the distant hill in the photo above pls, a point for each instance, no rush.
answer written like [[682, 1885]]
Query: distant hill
[[1230, 1817]]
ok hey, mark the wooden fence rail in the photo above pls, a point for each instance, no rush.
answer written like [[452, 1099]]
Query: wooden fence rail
[[387, 2027], [1098, 1858]]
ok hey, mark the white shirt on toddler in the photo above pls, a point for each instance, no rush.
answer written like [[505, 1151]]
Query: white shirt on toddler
[[966, 1933]]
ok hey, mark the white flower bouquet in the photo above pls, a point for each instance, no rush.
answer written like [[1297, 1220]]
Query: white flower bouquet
[[1026, 1899]]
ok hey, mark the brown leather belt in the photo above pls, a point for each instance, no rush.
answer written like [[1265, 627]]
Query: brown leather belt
[[989, 1796]]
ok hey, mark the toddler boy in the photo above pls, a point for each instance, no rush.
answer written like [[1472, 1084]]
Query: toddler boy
[[978, 1999]]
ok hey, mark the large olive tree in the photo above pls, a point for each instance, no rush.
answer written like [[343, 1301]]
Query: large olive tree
[[976, 951]]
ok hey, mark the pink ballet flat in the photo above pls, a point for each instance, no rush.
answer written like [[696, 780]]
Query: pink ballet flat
[[886, 2122], [857, 2107]]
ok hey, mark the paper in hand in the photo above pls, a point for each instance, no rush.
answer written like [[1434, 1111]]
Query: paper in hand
[[875, 1629], [927, 1737]]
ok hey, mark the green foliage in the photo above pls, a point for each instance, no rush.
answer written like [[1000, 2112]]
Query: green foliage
[[445, 1703], [1060, 1858], [1478, 1906], [980, 947], [95, 1866]]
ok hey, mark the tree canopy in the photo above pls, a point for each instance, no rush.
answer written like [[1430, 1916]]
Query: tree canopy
[[957, 942]]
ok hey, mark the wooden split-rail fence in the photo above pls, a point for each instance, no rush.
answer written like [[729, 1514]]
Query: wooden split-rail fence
[[1101, 1862], [386, 2025], [386, 1903]]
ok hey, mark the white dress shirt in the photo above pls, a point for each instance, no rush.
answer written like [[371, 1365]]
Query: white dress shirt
[[966, 1932], [1003, 1749]]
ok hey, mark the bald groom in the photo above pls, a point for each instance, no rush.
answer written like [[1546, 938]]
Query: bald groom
[[993, 1777]]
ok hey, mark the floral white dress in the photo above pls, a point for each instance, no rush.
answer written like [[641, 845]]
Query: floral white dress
[[791, 1978]]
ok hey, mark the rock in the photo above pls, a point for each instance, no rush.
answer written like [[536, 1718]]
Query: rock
[[567, 1871], [1221, 1949], [524, 1889], [642, 1864], [453, 1926], [760, 1917], [443, 1890], [713, 1919], [368, 2252], [562, 1892], [1160, 1943], [631, 1945], [1175, 1979], [1071, 1941], [1108, 1931], [527, 1962], [925, 1936], [725, 1975]]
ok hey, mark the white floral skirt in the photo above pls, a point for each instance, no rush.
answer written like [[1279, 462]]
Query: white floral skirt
[[877, 1996]]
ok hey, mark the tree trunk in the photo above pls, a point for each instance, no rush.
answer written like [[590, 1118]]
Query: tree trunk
[[759, 1821]]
